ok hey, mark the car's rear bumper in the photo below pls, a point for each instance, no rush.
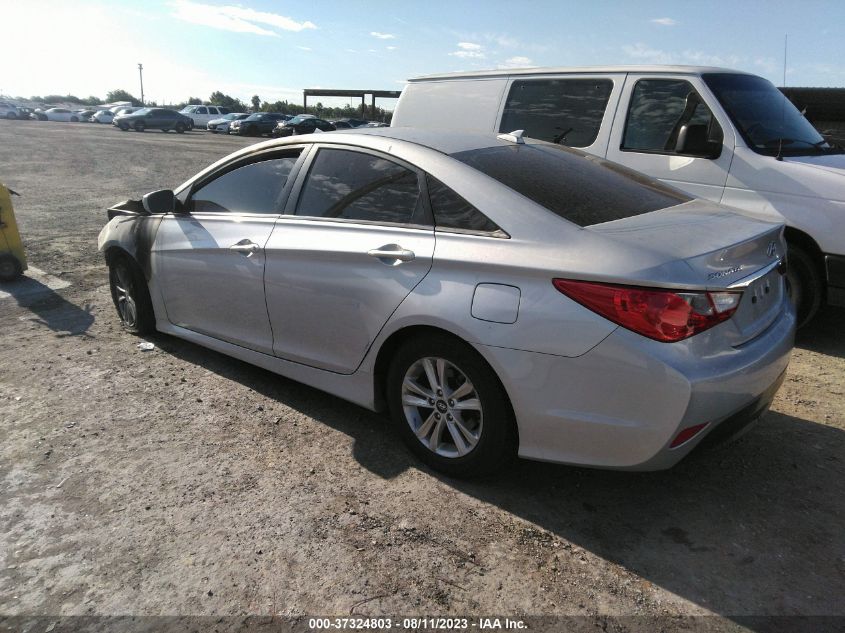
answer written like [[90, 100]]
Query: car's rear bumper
[[621, 404]]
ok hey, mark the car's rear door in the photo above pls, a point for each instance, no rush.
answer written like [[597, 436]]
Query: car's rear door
[[210, 260], [354, 242]]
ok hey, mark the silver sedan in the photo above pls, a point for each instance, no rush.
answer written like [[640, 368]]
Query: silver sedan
[[498, 296]]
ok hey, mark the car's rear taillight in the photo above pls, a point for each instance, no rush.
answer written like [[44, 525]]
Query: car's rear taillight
[[660, 314]]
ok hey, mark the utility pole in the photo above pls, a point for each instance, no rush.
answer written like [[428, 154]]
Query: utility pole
[[141, 74]]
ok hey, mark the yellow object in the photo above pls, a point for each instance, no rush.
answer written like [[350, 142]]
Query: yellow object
[[12, 257]]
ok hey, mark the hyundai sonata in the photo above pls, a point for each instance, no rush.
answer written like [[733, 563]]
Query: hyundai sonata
[[497, 295]]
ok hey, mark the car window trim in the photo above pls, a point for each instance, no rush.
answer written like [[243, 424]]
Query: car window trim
[[295, 195], [243, 161]]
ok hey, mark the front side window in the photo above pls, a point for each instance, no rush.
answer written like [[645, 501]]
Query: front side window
[[253, 188], [202, 111], [564, 111], [663, 112], [356, 186], [451, 211]]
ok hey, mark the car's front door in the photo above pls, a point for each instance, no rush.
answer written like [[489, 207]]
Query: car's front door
[[352, 245], [210, 260], [665, 129]]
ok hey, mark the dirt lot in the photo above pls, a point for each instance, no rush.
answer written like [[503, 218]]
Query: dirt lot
[[179, 481]]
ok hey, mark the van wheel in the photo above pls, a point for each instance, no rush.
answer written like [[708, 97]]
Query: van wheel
[[804, 284], [131, 296], [449, 407], [10, 268]]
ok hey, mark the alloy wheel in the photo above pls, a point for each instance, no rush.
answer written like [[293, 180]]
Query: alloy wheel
[[442, 407], [126, 307]]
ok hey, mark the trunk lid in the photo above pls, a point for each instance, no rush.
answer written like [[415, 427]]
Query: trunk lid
[[701, 245]]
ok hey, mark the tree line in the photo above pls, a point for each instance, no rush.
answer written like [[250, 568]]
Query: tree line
[[218, 98]]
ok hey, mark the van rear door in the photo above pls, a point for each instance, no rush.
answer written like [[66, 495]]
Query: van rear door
[[667, 127]]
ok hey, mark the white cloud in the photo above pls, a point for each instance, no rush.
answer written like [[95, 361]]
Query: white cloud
[[664, 21], [516, 62], [305, 48], [383, 36], [469, 50], [390, 48], [237, 19]]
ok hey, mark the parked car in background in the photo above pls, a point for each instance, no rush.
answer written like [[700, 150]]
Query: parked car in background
[[120, 110], [102, 116], [57, 114], [348, 123], [201, 114], [376, 124], [719, 134], [222, 124], [25, 113], [8, 110], [257, 124], [84, 115], [497, 295], [302, 125], [153, 119]]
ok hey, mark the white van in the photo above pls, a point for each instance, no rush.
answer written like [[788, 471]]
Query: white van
[[201, 114], [719, 134]]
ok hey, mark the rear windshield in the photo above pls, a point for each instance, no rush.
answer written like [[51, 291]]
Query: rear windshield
[[578, 187]]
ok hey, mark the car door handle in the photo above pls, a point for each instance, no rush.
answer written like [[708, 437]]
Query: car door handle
[[245, 247], [393, 253]]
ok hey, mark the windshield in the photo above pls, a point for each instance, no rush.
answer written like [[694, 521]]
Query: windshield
[[142, 111], [298, 119], [767, 120], [255, 117]]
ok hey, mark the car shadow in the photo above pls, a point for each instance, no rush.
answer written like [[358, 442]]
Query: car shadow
[[825, 334], [49, 308], [746, 529]]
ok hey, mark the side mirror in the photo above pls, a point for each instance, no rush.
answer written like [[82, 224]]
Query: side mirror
[[159, 202], [693, 141]]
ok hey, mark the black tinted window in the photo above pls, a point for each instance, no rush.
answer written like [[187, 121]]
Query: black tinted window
[[565, 111], [356, 186], [658, 110], [581, 188], [253, 188], [453, 212]]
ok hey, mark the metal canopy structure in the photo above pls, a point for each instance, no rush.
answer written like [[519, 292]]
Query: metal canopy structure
[[382, 94]]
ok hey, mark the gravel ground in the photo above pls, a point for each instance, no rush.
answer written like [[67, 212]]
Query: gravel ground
[[179, 481]]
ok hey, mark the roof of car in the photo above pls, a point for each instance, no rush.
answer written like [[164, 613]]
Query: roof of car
[[447, 142], [560, 70]]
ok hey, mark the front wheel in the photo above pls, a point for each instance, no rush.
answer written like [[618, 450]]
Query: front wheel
[[804, 282], [180, 128], [449, 407], [123, 127], [131, 296]]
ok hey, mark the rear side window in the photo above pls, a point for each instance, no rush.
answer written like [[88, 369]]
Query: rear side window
[[253, 188], [451, 211], [356, 186], [564, 111], [658, 110], [578, 187]]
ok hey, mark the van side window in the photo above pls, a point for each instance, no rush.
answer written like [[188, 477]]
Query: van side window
[[451, 211], [564, 111], [668, 116]]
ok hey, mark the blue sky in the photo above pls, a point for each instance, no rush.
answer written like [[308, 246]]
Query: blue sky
[[276, 48]]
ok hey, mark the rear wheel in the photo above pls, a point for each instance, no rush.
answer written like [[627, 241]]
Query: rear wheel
[[10, 267], [131, 296], [449, 407], [804, 281]]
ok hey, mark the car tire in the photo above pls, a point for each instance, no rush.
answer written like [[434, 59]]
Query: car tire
[[11, 115], [804, 283], [180, 128], [131, 296], [140, 127], [74, 119], [165, 129], [10, 267], [477, 430], [123, 127]]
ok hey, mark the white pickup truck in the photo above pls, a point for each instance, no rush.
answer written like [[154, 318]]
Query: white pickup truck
[[719, 134]]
